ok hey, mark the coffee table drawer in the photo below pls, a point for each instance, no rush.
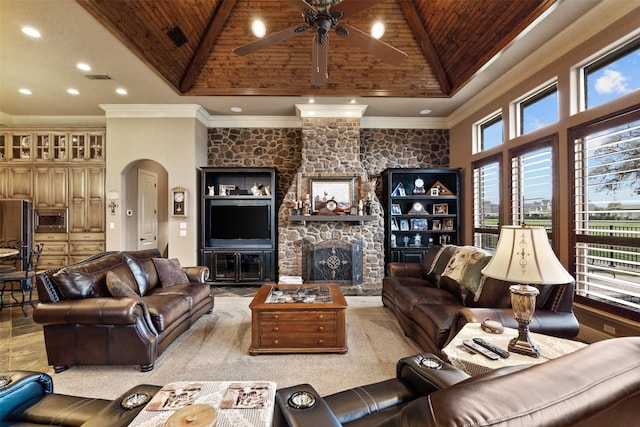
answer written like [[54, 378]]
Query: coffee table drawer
[[308, 341], [285, 327], [298, 316]]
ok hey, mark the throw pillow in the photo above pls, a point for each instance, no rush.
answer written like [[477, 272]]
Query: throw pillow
[[118, 288], [440, 262], [465, 266], [170, 272]]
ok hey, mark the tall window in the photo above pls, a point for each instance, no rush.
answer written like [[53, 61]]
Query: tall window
[[612, 76], [486, 204], [607, 213], [532, 186], [490, 133], [539, 110]]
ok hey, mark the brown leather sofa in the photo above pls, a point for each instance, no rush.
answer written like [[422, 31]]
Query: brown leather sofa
[[432, 302], [27, 399], [596, 386], [85, 325]]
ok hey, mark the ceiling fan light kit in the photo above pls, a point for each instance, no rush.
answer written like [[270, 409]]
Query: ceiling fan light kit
[[322, 16]]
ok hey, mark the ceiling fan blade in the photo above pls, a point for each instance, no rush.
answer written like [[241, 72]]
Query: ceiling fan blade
[[300, 5], [269, 40], [384, 51], [319, 60], [351, 7]]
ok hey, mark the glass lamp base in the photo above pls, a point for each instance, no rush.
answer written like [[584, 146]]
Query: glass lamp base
[[523, 303]]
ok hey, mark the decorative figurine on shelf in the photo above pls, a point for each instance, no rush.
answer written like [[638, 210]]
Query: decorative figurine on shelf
[[417, 240], [360, 207], [212, 190], [306, 205], [394, 243], [267, 190], [255, 190], [406, 239]]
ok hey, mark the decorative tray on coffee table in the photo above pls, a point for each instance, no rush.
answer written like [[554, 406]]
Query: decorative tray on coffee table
[[299, 295]]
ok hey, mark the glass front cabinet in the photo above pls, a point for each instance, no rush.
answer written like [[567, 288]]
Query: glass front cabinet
[[422, 208]]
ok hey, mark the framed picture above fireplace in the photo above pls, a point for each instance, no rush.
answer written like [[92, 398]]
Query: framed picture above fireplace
[[339, 189]]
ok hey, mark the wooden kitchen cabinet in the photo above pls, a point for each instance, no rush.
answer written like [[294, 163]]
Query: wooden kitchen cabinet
[[86, 199], [50, 187]]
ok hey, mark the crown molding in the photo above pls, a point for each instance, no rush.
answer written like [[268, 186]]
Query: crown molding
[[8, 120], [154, 111], [309, 111]]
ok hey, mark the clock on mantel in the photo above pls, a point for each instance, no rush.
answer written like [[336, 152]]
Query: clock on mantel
[[179, 202]]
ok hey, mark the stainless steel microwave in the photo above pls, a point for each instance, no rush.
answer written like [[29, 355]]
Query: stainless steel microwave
[[50, 220]]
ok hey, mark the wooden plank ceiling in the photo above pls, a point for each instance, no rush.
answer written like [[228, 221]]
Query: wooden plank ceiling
[[447, 42]]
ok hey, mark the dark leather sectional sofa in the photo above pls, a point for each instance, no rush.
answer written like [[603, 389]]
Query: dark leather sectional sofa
[[85, 325], [596, 386], [432, 305]]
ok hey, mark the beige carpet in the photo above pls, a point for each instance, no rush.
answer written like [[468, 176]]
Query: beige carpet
[[216, 348]]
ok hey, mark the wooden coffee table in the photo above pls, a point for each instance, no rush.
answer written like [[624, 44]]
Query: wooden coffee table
[[298, 326]]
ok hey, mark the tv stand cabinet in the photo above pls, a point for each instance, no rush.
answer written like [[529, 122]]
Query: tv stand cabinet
[[238, 225]]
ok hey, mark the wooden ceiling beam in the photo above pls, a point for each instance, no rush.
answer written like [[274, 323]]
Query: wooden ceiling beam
[[412, 15], [217, 22]]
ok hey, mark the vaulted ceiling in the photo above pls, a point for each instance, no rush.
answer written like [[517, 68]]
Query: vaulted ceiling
[[446, 43]]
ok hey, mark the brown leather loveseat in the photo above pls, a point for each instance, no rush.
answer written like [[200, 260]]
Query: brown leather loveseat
[[598, 385], [155, 301], [435, 299], [27, 399]]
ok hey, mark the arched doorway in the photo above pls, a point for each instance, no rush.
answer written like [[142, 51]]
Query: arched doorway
[[138, 179]]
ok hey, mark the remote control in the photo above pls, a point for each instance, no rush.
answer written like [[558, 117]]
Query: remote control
[[497, 350], [483, 351]]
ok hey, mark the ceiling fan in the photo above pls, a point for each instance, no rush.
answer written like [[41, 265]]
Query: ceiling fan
[[323, 16]]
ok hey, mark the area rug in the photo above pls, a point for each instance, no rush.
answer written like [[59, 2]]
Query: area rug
[[216, 348]]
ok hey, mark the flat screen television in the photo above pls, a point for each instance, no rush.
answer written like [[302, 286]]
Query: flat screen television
[[240, 224]]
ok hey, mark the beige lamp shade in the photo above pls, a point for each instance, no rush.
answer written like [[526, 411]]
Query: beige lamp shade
[[523, 255]]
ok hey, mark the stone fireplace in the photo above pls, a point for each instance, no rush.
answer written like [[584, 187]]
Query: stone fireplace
[[331, 148]]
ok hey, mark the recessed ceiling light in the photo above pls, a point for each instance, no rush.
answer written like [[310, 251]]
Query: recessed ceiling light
[[25, 91], [425, 112], [84, 67], [236, 109], [311, 101], [377, 30], [258, 28], [353, 101], [73, 92], [121, 91], [31, 32]]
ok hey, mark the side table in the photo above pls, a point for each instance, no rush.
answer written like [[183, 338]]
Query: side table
[[476, 364]]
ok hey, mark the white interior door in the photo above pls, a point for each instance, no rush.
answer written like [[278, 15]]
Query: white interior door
[[147, 209]]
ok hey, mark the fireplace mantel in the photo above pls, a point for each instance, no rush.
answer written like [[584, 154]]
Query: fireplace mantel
[[331, 218]]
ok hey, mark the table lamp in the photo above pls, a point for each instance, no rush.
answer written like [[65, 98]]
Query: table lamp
[[524, 256]]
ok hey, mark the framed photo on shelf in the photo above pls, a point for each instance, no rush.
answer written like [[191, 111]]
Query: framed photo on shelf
[[435, 192], [440, 209], [339, 189], [395, 209], [448, 224], [404, 225], [419, 224], [226, 189], [435, 224], [394, 224]]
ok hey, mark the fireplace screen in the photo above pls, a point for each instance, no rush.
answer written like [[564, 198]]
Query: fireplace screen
[[332, 261]]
